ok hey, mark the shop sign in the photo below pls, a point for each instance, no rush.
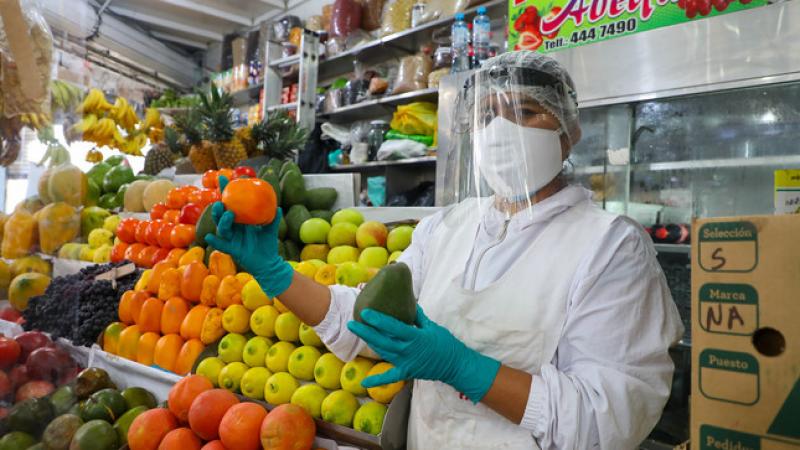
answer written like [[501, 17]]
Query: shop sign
[[551, 25]]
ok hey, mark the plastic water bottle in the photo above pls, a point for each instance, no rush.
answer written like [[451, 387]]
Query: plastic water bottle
[[460, 38], [481, 27]]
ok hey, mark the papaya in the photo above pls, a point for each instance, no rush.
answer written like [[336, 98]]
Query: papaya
[[389, 292], [320, 198], [68, 184], [59, 223], [31, 204], [25, 286], [43, 187], [98, 172], [31, 263], [19, 235]]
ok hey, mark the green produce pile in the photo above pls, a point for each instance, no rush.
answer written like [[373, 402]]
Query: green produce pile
[[171, 99], [108, 181]]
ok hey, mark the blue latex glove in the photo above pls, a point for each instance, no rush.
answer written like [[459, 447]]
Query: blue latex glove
[[426, 351], [253, 247]]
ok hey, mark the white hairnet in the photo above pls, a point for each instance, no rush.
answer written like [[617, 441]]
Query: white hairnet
[[562, 103]]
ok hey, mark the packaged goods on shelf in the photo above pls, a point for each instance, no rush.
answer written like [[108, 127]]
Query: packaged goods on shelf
[[396, 16], [413, 74]]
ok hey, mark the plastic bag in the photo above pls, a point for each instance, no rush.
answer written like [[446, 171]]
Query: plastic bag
[[413, 74], [401, 149], [316, 23], [423, 139], [437, 9], [396, 16], [19, 235], [436, 76], [59, 223], [371, 12], [345, 18], [376, 190], [415, 118], [338, 133]]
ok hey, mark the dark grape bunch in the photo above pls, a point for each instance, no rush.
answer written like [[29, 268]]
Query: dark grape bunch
[[77, 307], [703, 7]]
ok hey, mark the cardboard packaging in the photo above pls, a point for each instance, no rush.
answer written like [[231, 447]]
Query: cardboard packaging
[[746, 333]]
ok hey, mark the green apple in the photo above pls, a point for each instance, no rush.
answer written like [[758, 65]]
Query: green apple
[[352, 374], [314, 231], [210, 368], [371, 234], [343, 233], [310, 397], [328, 371], [399, 238], [231, 347], [376, 257], [253, 382], [231, 375], [393, 257], [347, 215], [309, 337], [279, 388], [287, 327], [255, 351], [262, 321], [278, 356], [351, 274], [302, 362], [339, 407], [343, 254], [369, 418]]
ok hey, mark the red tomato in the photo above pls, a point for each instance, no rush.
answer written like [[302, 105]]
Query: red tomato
[[176, 198], [159, 255], [164, 236], [172, 215], [118, 252], [152, 232], [145, 257], [133, 251], [244, 171], [190, 214], [141, 231], [9, 352], [126, 230], [210, 180], [158, 210], [182, 235]]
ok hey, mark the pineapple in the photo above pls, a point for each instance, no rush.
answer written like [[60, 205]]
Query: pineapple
[[215, 110], [245, 136], [279, 136], [163, 154], [200, 153]]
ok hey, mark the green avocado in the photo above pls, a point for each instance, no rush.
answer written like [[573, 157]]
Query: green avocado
[[136, 396], [293, 189], [275, 165], [320, 198], [123, 424], [38, 446], [389, 292], [288, 166], [294, 220], [205, 225], [91, 380], [95, 435], [282, 228], [16, 440], [92, 194], [62, 400], [98, 172], [60, 431], [292, 251], [324, 214], [105, 404], [30, 416], [116, 177], [273, 180]]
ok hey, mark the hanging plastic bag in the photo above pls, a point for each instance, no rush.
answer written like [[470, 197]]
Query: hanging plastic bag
[[59, 223], [413, 74], [415, 118], [438, 9], [396, 16]]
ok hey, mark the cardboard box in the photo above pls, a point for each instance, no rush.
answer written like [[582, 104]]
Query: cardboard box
[[746, 333]]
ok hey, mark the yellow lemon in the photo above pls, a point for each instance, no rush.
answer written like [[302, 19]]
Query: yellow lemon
[[210, 368], [385, 393], [278, 356], [262, 321], [236, 319], [302, 362], [352, 374], [231, 376], [369, 418], [287, 327], [279, 388], [339, 407], [306, 268], [326, 275], [279, 306], [328, 371], [253, 297], [253, 382]]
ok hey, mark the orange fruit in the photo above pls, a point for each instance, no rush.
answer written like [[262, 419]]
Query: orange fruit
[[207, 410], [133, 251], [214, 445], [145, 256], [188, 355], [210, 179], [180, 439], [182, 235], [130, 304], [183, 394], [149, 428], [171, 216], [193, 322], [287, 426], [158, 210], [175, 310], [128, 342], [192, 282], [159, 255], [176, 198], [175, 254], [225, 172], [150, 315], [241, 425], [166, 352], [118, 252], [146, 348], [252, 200]]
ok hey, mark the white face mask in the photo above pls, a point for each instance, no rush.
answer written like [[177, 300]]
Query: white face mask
[[517, 161]]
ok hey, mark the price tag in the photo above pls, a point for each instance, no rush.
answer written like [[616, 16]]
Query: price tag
[[116, 273]]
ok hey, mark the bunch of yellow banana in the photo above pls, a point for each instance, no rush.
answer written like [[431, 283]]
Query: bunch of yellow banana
[[64, 96], [36, 121], [94, 103], [103, 132], [152, 119], [124, 115], [132, 144]]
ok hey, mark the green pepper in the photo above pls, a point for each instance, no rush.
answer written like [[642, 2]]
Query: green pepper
[[116, 177], [107, 201], [116, 160], [92, 194]]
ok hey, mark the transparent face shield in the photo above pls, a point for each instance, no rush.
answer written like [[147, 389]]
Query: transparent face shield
[[506, 139]]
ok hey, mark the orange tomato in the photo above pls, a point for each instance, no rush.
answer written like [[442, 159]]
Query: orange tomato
[[126, 230], [118, 252], [151, 235], [150, 315], [182, 235], [141, 231], [145, 257], [164, 233], [175, 255], [172, 215], [158, 210], [210, 179], [166, 352], [193, 322], [133, 251], [252, 200], [176, 198]]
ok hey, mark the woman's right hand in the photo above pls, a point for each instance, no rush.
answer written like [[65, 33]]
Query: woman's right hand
[[253, 247]]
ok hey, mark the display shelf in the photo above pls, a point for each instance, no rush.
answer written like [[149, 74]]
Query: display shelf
[[379, 106], [281, 106], [404, 42], [285, 61], [673, 248], [374, 164], [698, 164], [246, 96]]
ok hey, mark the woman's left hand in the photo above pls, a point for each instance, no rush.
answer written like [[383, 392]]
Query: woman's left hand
[[426, 351]]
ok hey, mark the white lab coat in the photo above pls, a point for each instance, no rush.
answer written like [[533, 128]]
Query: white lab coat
[[611, 373]]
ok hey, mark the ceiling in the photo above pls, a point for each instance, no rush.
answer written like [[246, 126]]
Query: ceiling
[[193, 25]]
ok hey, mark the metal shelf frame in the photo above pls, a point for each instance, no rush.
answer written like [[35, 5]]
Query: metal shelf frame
[[382, 164], [379, 106]]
